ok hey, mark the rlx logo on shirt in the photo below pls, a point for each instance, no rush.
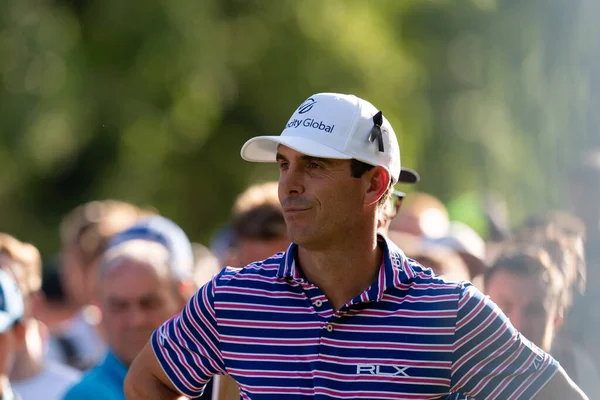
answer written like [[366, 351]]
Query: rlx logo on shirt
[[388, 370]]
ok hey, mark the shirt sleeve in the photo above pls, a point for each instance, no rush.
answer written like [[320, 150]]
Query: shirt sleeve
[[187, 346], [492, 360]]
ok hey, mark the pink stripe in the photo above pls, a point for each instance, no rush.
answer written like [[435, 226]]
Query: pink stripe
[[261, 293], [269, 341], [200, 329], [500, 352], [269, 324], [423, 286], [480, 328], [375, 378], [381, 281], [364, 297], [199, 345], [395, 329], [407, 269], [256, 307], [249, 277], [270, 373], [270, 357], [405, 313], [482, 345], [386, 361], [284, 390], [374, 395], [467, 295], [425, 298], [175, 368], [474, 312], [506, 380], [528, 382], [197, 360], [384, 345]]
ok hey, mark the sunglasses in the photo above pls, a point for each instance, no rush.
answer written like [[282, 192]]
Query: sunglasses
[[394, 204]]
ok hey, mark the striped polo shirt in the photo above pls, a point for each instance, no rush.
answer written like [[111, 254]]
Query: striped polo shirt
[[410, 335]]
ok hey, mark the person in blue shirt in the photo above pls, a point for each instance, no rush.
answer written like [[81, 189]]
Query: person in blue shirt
[[145, 279]]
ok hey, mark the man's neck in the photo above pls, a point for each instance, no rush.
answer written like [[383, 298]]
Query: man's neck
[[343, 272]]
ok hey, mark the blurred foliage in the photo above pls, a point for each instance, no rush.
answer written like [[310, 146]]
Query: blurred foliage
[[150, 101]]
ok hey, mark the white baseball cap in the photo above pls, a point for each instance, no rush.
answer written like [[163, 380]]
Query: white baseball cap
[[341, 126]]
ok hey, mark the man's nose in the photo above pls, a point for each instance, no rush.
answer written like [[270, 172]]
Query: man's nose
[[136, 317], [292, 180]]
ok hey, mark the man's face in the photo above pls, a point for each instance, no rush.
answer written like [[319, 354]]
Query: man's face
[[250, 250], [528, 303], [136, 299], [320, 199], [78, 277]]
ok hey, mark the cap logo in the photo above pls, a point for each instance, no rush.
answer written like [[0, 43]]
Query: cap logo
[[306, 106], [376, 131]]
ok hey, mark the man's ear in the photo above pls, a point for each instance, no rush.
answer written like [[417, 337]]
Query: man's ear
[[377, 184]]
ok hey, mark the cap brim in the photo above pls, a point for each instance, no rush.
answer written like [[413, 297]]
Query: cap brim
[[408, 175], [264, 148]]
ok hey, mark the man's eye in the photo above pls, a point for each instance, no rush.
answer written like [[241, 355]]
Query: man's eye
[[313, 165], [283, 165]]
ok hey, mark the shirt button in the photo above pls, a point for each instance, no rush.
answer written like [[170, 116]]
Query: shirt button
[[329, 328], [318, 303]]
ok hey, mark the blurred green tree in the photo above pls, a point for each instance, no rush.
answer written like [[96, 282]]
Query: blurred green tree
[[150, 101]]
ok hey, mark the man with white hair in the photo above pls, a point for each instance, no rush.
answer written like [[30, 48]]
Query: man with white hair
[[146, 276]]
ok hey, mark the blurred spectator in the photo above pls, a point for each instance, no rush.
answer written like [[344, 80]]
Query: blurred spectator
[[32, 376], [206, 265], [561, 235], [146, 277], [529, 289], [12, 331], [388, 213], [53, 309], [584, 184], [443, 261], [258, 225], [84, 233], [471, 248], [421, 215], [222, 245]]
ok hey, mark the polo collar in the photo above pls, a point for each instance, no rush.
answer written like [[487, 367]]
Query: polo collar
[[394, 270]]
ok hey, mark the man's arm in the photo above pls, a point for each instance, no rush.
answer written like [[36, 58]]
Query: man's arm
[[560, 387], [146, 379]]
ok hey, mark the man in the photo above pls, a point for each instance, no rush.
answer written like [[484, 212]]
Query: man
[[343, 313], [84, 233], [12, 331], [32, 376], [258, 224], [530, 290], [145, 278]]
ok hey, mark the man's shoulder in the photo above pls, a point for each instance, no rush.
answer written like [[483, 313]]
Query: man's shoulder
[[259, 271], [423, 278]]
